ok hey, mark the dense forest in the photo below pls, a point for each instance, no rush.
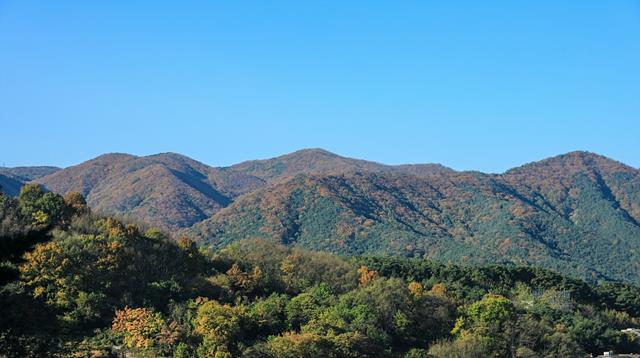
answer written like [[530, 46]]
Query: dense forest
[[77, 284], [577, 213]]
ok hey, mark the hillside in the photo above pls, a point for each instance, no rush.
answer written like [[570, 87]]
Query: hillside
[[165, 190], [576, 213], [173, 191]]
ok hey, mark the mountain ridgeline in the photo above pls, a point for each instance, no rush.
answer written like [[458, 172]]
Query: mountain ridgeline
[[173, 191], [165, 190], [578, 213], [11, 179], [575, 213], [322, 162]]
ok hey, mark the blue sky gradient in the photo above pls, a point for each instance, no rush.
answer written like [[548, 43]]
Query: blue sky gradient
[[462, 83]]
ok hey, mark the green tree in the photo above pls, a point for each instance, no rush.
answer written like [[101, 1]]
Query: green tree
[[308, 305], [220, 326], [491, 319], [43, 209], [267, 315]]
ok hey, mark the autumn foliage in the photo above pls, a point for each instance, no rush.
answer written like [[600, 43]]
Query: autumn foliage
[[96, 286]]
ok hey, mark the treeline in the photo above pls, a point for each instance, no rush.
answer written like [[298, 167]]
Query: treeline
[[75, 284]]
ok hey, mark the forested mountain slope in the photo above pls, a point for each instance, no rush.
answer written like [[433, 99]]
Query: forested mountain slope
[[577, 213], [166, 190], [173, 191]]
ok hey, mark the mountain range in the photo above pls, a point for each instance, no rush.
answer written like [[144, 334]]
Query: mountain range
[[172, 191], [578, 213]]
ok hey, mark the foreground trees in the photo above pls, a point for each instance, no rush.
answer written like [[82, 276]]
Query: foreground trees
[[84, 285]]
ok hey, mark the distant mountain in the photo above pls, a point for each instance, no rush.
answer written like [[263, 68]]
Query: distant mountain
[[10, 185], [26, 174], [321, 162], [166, 190], [173, 191], [577, 213], [12, 179]]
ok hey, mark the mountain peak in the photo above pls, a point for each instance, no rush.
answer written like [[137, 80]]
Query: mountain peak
[[171, 155], [579, 155], [309, 154], [317, 151], [322, 162], [572, 162], [112, 157]]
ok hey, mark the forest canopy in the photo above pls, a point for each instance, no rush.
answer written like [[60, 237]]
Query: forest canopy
[[77, 284]]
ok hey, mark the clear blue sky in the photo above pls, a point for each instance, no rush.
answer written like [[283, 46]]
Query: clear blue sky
[[470, 84]]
